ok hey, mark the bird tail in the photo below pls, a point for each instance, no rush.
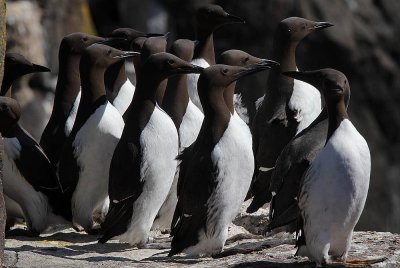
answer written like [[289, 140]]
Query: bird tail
[[117, 220]]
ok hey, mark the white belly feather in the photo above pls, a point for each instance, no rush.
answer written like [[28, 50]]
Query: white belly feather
[[192, 82], [159, 143], [306, 102], [94, 146], [234, 160], [188, 132], [333, 193], [72, 115], [124, 97]]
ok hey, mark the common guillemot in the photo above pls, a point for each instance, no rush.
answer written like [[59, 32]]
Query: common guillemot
[[216, 170], [288, 107], [144, 164]]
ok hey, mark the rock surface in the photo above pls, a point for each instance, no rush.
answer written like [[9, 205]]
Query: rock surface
[[71, 249]]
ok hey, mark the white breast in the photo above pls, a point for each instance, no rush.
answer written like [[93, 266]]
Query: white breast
[[159, 144], [334, 191], [72, 115], [188, 132], [192, 82], [233, 158], [259, 101], [306, 103], [94, 146], [124, 97], [190, 126], [240, 109]]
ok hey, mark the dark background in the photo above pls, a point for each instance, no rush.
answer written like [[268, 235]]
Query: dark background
[[364, 44]]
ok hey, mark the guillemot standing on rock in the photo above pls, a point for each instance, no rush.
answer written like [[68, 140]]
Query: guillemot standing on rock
[[208, 19], [215, 171], [144, 164], [187, 119], [119, 88], [66, 99], [30, 181], [87, 153], [288, 107], [335, 186], [295, 159]]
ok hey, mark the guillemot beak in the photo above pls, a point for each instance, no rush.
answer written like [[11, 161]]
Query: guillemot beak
[[39, 69], [234, 19], [258, 67], [166, 35], [268, 63], [322, 25], [127, 54], [112, 41], [189, 69], [154, 34]]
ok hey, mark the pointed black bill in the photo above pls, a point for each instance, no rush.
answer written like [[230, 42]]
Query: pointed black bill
[[39, 69], [189, 69], [258, 67], [113, 41], [154, 34], [127, 54], [235, 19], [166, 35], [322, 25]]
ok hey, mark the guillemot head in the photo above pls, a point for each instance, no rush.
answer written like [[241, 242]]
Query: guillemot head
[[18, 65], [102, 56], [296, 29], [10, 111], [183, 48], [15, 66], [214, 16], [123, 38], [332, 84], [76, 43], [235, 57], [221, 75], [153, 45], [164, 65]]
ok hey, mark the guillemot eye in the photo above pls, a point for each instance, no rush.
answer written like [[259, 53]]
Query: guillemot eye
[[84, 39], [224, 71], [171, 62]]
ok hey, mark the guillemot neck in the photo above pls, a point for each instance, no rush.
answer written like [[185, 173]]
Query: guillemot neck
[[176, 98], [68, 85], [161, 91], [285, 54], [92, 85], [336, 113], [143, 102], [6, 87], [216, 114], [114, 78], [205, 47], [228, 96]]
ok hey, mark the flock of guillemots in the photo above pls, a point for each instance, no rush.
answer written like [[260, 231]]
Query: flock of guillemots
[[175, 151]]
